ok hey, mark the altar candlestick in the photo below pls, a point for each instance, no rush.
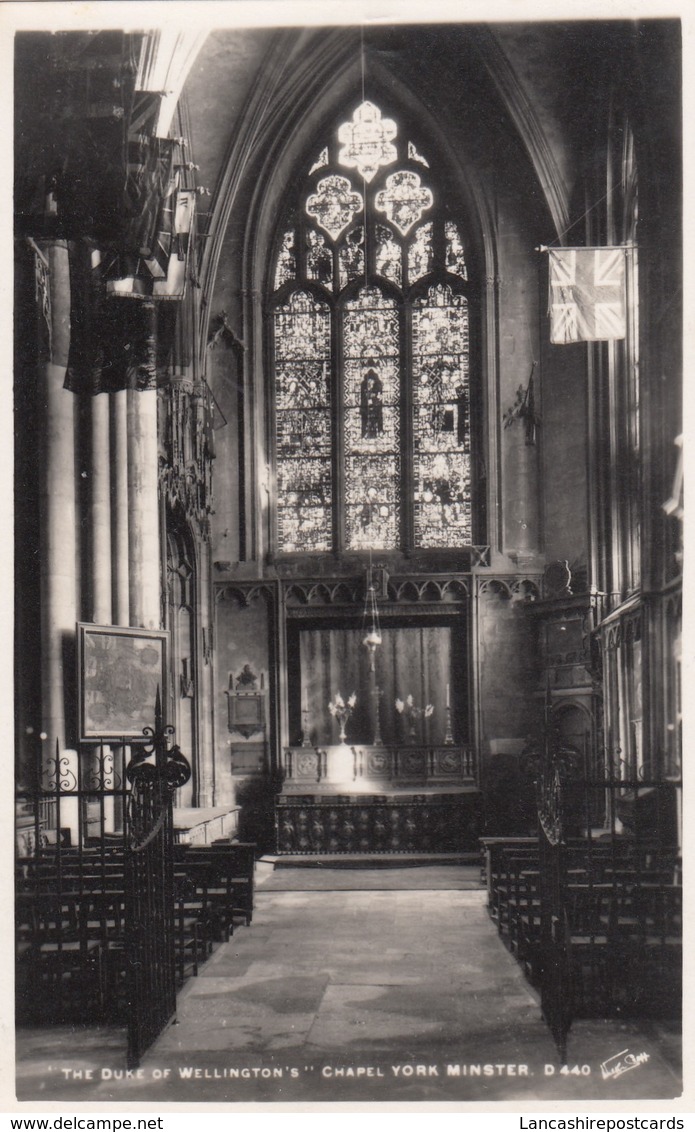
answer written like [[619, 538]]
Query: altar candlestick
[[306, 741], [449, 734], [377, 693]]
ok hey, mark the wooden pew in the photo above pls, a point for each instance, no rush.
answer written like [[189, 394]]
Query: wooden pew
[[231, 868], [60, 972]]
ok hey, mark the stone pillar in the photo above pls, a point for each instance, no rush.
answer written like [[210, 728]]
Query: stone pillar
[[100, 559], [100, 512], [119, 507], [118, 455], [57, 502], [143, 509]]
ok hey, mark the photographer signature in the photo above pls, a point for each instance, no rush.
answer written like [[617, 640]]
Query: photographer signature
[[621, 1063]]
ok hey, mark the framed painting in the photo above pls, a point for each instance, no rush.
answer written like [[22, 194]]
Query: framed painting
[[119, 672]]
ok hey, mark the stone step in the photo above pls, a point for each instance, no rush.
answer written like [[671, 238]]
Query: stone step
[[369, 860]]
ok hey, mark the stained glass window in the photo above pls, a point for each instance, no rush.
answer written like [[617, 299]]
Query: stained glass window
[[367, 141], [303, 423], [404, 200], [441, 419], [415, 156], [455, 259], [420, 253], [319, 258], [388, 256], [286, 267], [372, 423], [321, 161], [351, 254], [334, 205], [388, 349]]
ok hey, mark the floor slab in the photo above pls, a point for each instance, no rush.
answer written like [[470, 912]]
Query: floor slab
[[376, 995]]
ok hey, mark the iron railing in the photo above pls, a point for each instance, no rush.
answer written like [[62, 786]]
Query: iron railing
[[95, 885]]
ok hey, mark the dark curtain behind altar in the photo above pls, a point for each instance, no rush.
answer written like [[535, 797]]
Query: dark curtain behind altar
[[422, 662]]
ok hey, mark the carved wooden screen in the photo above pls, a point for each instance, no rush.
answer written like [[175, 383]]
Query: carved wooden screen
[[371, 351]]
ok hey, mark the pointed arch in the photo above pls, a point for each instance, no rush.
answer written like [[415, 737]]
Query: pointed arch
[[368, 377], [300, 98]]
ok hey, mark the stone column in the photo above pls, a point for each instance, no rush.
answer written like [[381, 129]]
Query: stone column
[[119, 507], [143, 509], [100, 512], [57, 503], [100, 558], [118, 455]]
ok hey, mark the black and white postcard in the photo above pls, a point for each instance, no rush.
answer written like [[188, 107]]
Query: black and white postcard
[[348, 445]]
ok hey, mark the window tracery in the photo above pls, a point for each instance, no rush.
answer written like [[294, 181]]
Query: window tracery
[[334, 205], [404, 200], [367, 141], [415, 156], [321, 161]]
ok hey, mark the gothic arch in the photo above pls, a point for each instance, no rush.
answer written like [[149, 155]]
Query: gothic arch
[[327, 104], [317, 115]]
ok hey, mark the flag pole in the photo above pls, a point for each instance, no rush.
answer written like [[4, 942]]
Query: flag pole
[[587, 248]]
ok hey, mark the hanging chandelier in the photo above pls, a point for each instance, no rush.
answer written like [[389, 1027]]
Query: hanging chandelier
[[372, 637]]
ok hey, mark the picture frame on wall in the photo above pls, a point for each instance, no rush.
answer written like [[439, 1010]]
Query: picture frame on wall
[[119, 673]]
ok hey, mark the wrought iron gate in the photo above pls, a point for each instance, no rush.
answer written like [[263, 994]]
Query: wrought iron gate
[[94, 874], [149, 887]]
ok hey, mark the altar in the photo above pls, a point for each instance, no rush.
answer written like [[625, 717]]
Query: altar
[[377, 799], [377, 768]]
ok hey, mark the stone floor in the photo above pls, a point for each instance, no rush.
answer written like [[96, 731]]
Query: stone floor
[[358, 996], [305, 878]]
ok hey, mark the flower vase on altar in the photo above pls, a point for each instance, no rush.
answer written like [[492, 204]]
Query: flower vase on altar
[[342, 711]]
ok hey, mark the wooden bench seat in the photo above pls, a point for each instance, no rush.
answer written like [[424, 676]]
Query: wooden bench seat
[[231, 868], [60, 974]]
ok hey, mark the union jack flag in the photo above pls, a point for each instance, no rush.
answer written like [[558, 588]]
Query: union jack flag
[[587, 294]]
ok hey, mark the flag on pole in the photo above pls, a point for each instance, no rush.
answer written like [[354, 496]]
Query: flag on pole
[[162, 273], [587, 294]]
